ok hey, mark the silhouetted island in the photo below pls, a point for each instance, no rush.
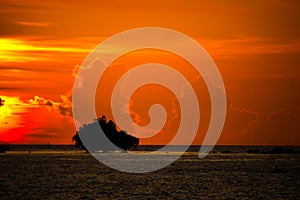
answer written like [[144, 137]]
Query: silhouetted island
[[4, 148], [275, 150], [119, 138], [2, 102]]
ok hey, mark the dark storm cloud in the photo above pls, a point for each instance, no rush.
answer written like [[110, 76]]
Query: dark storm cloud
[[44, 134], [10, 88], [14, 11], [8, 5], [65, 110]]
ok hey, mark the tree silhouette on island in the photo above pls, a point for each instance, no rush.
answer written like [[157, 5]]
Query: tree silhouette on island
[[2, 102], [119, 138]]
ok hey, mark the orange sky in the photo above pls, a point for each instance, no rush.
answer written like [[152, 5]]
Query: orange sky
[[255, 45]]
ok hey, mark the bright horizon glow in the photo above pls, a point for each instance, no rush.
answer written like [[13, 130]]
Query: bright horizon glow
[[11, 50]]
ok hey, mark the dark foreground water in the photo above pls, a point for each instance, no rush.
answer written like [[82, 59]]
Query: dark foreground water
[[69, 174]]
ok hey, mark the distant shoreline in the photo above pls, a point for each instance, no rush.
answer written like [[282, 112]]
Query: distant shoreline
[[223, 149], [147, 145]]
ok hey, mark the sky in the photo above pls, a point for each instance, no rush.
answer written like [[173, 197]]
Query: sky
[[255, 45]]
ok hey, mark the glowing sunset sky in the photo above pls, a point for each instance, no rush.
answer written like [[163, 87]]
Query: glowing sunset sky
[[255, 44]]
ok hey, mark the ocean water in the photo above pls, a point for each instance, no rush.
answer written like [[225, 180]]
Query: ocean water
[[40, 172]]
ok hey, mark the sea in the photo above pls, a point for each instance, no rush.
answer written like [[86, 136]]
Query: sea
[[227, 172]]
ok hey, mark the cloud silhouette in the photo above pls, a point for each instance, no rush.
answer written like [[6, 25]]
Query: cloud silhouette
[[65, 106], [75, 70]]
